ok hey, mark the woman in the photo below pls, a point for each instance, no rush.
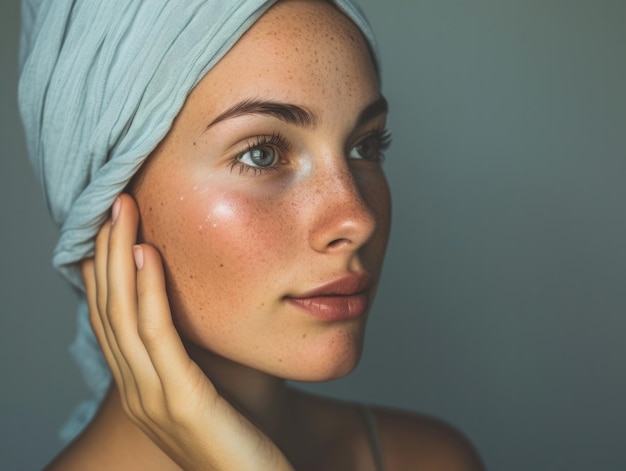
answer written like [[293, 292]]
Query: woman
[[246, 250]]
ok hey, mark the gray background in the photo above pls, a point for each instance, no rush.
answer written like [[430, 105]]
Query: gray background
[[502, 310]]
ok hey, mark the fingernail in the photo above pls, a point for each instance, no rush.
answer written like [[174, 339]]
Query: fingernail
[[115, 211], [138, 254]]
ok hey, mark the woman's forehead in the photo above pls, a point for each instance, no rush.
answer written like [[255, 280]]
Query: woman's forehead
[[298, 15], [297, 33], [298, 52]]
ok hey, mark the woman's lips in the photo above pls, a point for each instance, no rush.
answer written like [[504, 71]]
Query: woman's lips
[[339, 300], [334, 308]]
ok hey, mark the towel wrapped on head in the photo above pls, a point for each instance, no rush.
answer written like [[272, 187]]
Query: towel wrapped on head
[[100, 85]]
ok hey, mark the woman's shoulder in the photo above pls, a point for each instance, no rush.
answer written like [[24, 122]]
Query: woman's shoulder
[[422, 440], [400, 439]]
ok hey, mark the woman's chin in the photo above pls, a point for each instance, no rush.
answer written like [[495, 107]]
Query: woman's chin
[[324, 358], [322, 375], [325, 365]]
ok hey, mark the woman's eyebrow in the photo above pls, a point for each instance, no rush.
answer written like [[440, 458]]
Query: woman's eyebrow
[[373, 110], [292, 114]]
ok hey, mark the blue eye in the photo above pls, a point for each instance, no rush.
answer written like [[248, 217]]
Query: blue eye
[[265, 156], [262, 156], [372, 146]]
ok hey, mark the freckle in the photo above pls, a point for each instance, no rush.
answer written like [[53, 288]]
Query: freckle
[[194, 143], [303, 336], [280, 360], [221, 265]]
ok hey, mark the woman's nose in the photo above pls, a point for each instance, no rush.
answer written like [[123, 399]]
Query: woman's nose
[[343, 221]]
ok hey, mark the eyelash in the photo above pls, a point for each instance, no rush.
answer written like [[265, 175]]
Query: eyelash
[[281, 146]]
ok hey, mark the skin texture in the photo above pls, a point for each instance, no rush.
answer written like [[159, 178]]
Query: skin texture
[[195, 320]]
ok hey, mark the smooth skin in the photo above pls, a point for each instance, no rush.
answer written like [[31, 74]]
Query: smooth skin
[[238, 209]]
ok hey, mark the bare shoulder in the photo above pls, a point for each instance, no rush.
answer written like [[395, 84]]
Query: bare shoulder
[[424, 442]]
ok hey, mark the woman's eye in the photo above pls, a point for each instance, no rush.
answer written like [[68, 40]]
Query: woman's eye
[[371, 147], [365, 150], [262, 156], [259, 157]]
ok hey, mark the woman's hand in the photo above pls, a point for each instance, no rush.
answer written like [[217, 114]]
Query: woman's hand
[[163, 391]]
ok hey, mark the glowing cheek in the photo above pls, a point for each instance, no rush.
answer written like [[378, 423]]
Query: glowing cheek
[[221, 212], [223, 224], [227, 246], [215, 267], [236, 232]]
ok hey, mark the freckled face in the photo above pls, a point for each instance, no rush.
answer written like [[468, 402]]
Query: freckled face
[[249, 206]]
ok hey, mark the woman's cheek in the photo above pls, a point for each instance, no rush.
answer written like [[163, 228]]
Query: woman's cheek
[[221, 260]]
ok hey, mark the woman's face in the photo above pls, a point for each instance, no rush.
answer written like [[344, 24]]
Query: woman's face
[[267, 199]]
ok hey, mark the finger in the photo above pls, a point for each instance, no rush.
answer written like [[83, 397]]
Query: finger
[[100, 265], [122, 296], [97, 301], [121, 271], [88, 271], [102, 289], [89, 278]]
